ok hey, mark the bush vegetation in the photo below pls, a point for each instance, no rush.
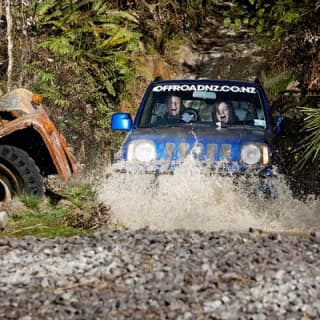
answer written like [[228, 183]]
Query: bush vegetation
[[75, 212]]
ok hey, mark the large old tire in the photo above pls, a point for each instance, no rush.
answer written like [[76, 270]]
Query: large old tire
[[18, 174]]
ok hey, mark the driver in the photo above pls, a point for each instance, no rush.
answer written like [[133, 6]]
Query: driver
[[175, 107], [177, 111], [174, 112]]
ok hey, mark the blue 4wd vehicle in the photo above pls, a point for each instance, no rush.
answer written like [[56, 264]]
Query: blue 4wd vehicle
[[225, 125]]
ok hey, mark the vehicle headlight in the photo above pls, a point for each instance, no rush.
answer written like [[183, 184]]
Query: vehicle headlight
[[141, 150], [253, 153]]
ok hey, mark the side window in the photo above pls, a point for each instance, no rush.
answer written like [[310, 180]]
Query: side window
[[145, 116]]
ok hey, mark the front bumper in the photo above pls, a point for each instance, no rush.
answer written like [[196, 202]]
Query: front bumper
[[204, 168]]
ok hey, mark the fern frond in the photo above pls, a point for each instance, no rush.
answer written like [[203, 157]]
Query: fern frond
[[119, 38], [277, 81], [117, 16], [58, 45]]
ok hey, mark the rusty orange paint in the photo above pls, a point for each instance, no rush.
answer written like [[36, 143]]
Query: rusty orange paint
[[37, 99], [21, 113]]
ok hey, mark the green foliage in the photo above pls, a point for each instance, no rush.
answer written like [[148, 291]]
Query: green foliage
[[97, 38], [271, 20], [40, 225], [277, 81], [311, 143], [81, 54], [157, 24], [41, 219], [77, 213], [82, 57], [31, 202], [195, 13], [80, 195], [162, 21], [280, 21]]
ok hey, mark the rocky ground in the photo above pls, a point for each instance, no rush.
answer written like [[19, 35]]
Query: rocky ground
[[147, 274]]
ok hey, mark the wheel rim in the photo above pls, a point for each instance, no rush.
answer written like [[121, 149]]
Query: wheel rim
[[5, 193], [9, 183]]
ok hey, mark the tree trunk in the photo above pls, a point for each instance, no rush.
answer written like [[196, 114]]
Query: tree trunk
[[10, 44]]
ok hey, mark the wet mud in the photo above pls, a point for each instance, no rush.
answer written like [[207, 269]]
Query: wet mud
[[192, 201]]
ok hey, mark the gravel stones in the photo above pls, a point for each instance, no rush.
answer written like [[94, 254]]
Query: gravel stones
[[146, 274]]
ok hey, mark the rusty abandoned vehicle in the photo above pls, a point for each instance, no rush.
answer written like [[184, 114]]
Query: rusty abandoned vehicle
[[31, 147]]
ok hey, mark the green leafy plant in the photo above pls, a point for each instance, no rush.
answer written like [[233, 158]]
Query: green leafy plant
[[311, 143], [77, 211], [277, 80], [31, 202], [98, 38], [41, 218], [160, 22], [80, 195], [272, 20], [85, 57], [41, 225]]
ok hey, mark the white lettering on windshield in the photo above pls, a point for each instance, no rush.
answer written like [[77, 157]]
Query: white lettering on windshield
[[202, 87]]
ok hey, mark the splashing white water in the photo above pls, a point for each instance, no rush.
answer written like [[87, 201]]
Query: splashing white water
[[191, 200]]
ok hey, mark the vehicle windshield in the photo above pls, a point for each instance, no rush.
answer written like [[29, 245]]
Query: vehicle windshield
[[202, 104]]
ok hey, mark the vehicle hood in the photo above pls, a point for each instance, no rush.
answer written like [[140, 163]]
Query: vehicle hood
[[192, 134]]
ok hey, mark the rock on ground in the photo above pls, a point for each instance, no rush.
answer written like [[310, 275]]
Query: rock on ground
[[3, 220], [147, 274]]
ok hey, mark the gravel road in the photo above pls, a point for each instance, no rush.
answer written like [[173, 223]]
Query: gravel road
[[146, 274]]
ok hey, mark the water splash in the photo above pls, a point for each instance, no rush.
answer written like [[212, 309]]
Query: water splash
[[191, 200]]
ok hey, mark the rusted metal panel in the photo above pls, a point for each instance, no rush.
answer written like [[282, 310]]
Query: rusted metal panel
[[19, 100], [22, 113]]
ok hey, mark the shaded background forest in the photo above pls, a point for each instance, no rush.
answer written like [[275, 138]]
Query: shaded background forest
[[91, 58]]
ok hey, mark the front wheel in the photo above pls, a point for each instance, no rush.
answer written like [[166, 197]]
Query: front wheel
[[19, 174]]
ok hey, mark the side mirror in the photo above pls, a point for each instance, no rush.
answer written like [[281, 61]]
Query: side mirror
[[121, 121]]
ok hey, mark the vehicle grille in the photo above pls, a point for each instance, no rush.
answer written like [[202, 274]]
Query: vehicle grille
[[210, 152]]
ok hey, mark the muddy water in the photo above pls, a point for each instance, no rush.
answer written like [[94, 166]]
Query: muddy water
[[193, 201]]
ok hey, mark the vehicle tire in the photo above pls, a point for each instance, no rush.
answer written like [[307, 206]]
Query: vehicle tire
[[19, 174]]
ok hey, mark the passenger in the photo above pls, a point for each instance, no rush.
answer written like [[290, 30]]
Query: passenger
[[224, 112]]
